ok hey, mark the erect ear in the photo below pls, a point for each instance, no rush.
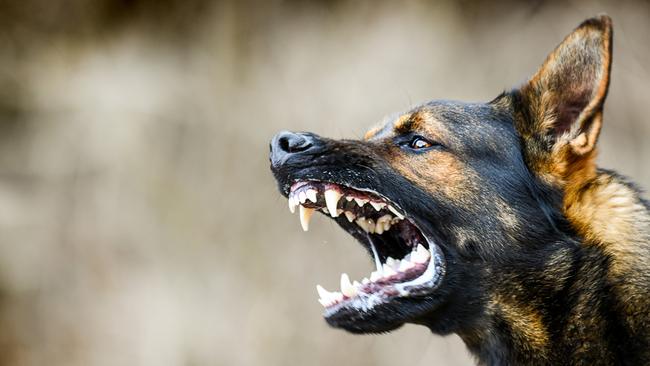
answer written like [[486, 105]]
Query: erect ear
[[559, 110]]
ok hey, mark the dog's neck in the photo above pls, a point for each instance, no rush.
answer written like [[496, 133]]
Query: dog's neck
[[578, 316]]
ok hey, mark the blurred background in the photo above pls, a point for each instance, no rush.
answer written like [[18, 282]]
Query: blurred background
[[139, 223]]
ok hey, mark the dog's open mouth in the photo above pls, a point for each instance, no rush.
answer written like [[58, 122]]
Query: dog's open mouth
[[407, 263]]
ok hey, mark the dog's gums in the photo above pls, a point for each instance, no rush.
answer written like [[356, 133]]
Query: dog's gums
[[412, 265]]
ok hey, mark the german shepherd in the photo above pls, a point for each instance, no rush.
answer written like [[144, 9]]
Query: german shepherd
[[490, 220]]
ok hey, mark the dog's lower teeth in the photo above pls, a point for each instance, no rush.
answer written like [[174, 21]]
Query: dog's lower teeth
[[390, 276], [347, 288], [350, 216], [388, 271], [405, 265], [420, 255], [375, 276]]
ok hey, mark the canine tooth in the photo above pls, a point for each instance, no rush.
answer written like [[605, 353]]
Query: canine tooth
[[360, 201], [324, 294], [376, 275], [349, 198], [305, 216], [325, 303], [405, 265], [331, 200], [350, 216], [377, 205], [292, 204], [346, 286], [312, 195], [394, 210], [388, 271], [302, 197]]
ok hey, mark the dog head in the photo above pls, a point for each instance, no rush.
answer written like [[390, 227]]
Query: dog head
[[456, 202]]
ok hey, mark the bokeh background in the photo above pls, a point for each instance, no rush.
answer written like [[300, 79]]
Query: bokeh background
[[139, 223]]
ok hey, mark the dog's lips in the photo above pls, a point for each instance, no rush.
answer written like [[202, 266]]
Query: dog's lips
[[371, 217]]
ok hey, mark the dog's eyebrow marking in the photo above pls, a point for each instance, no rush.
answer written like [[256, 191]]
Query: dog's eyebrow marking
[[405, 123]]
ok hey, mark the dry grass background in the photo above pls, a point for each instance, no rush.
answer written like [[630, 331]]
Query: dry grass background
[[139, 224]]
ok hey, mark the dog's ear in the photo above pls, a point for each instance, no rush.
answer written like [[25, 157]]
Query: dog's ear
[[558, 112]]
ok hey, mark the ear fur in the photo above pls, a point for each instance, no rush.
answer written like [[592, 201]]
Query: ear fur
[[559, 110]]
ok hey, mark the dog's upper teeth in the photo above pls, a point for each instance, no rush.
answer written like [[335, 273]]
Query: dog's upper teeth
[[331, 200], [377, 205], [394, 210], [360, 201], [305, 216], [365, 281], [347, 288], [302, 196], [349, 198], [350, 216], [311, 195], [292, 204]]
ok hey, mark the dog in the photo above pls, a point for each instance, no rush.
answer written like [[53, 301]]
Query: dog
[[490, 220]]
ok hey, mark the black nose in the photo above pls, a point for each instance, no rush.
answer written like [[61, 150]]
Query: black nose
[[287, 143]]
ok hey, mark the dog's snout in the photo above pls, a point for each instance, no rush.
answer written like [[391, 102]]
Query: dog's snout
[[287, 143]]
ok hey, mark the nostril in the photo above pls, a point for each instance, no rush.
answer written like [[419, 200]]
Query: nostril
[[284, 144], [292, 142]]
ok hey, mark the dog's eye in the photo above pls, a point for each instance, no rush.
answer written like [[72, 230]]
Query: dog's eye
[[419, 142]]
